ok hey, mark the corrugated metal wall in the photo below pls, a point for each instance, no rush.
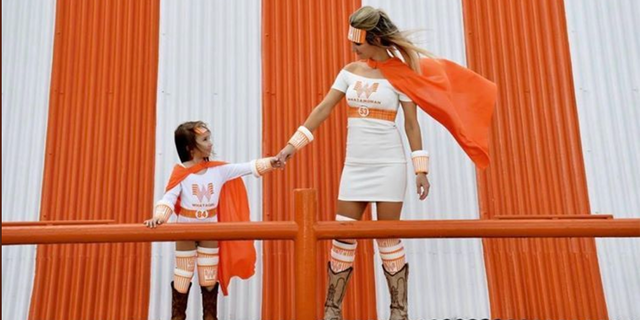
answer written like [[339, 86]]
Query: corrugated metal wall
[[99, 110], [604, 53], [304, 48], [209, 70], [100, 140], [537, 165], [448, 279], [27, 52]]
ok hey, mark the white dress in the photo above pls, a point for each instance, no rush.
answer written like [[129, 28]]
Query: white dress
[[202, 191], [375, 164]]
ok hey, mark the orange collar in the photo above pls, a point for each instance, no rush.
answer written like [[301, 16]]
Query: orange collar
[[180, 172]]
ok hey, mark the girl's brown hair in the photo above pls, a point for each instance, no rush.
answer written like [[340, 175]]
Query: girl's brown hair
[[185, 138]]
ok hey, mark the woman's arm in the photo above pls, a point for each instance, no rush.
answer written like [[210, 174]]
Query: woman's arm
[[411, 125], [320, 113], [420, 158]]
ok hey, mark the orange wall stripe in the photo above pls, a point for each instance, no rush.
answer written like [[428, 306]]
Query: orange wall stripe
[[537, 166], [99, 157], [304, 48]]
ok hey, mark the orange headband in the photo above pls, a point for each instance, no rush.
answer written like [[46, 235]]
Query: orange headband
[[200, 130], [357, 35]]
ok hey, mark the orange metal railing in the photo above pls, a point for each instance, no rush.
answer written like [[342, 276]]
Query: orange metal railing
[[54, 223], [306, 231], [139, 233]]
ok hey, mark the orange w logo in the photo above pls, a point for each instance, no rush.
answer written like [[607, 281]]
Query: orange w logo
[[209, 274], [202, 192], [365, 89]]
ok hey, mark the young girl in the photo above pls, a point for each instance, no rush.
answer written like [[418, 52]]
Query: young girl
[[203, 191], [391, 74]]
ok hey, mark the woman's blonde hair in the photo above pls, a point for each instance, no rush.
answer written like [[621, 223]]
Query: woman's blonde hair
[[382, 32]]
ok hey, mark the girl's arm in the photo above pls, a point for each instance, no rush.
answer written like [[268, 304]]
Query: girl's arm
[[164, 207], [258, 168]]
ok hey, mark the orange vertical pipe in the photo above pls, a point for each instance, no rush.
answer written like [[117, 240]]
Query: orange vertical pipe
[[304, 48], [537, 166], [99, 157], [306, 206]]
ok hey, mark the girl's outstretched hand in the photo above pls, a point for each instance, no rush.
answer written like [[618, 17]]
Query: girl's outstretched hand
[[153, 222], [276, 163]]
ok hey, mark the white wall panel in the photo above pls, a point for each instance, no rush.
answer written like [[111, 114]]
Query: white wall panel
[[605, 47], [210, 70], [27, 55]]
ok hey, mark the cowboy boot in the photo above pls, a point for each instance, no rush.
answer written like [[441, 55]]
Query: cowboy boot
[[337, 285], [210, 303], [398, 289], [179, 303]]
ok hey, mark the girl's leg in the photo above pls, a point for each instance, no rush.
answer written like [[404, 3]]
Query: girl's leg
[[185, 265], [182, 274], [208, 257]]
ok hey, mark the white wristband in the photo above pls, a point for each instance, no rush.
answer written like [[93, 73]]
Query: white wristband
[[263, 166], [420, 159], [301, 138], [162, 211]]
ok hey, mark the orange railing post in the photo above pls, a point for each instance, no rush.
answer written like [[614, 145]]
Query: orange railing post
[[306, 206]]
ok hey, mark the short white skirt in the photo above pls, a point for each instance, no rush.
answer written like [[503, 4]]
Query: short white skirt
[[375, 168], [373, 183]]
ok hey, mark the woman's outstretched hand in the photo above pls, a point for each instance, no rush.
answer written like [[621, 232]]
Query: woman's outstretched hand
[[285, 154]]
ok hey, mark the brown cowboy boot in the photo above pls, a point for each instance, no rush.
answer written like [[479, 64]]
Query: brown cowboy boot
[[210, 303], [398, 289], [179, 303], [337, 285]]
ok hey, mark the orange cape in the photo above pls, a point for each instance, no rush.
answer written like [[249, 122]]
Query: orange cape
[[460, 99], [237, 258]]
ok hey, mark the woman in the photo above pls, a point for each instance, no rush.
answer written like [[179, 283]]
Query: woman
[[375, 165]]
